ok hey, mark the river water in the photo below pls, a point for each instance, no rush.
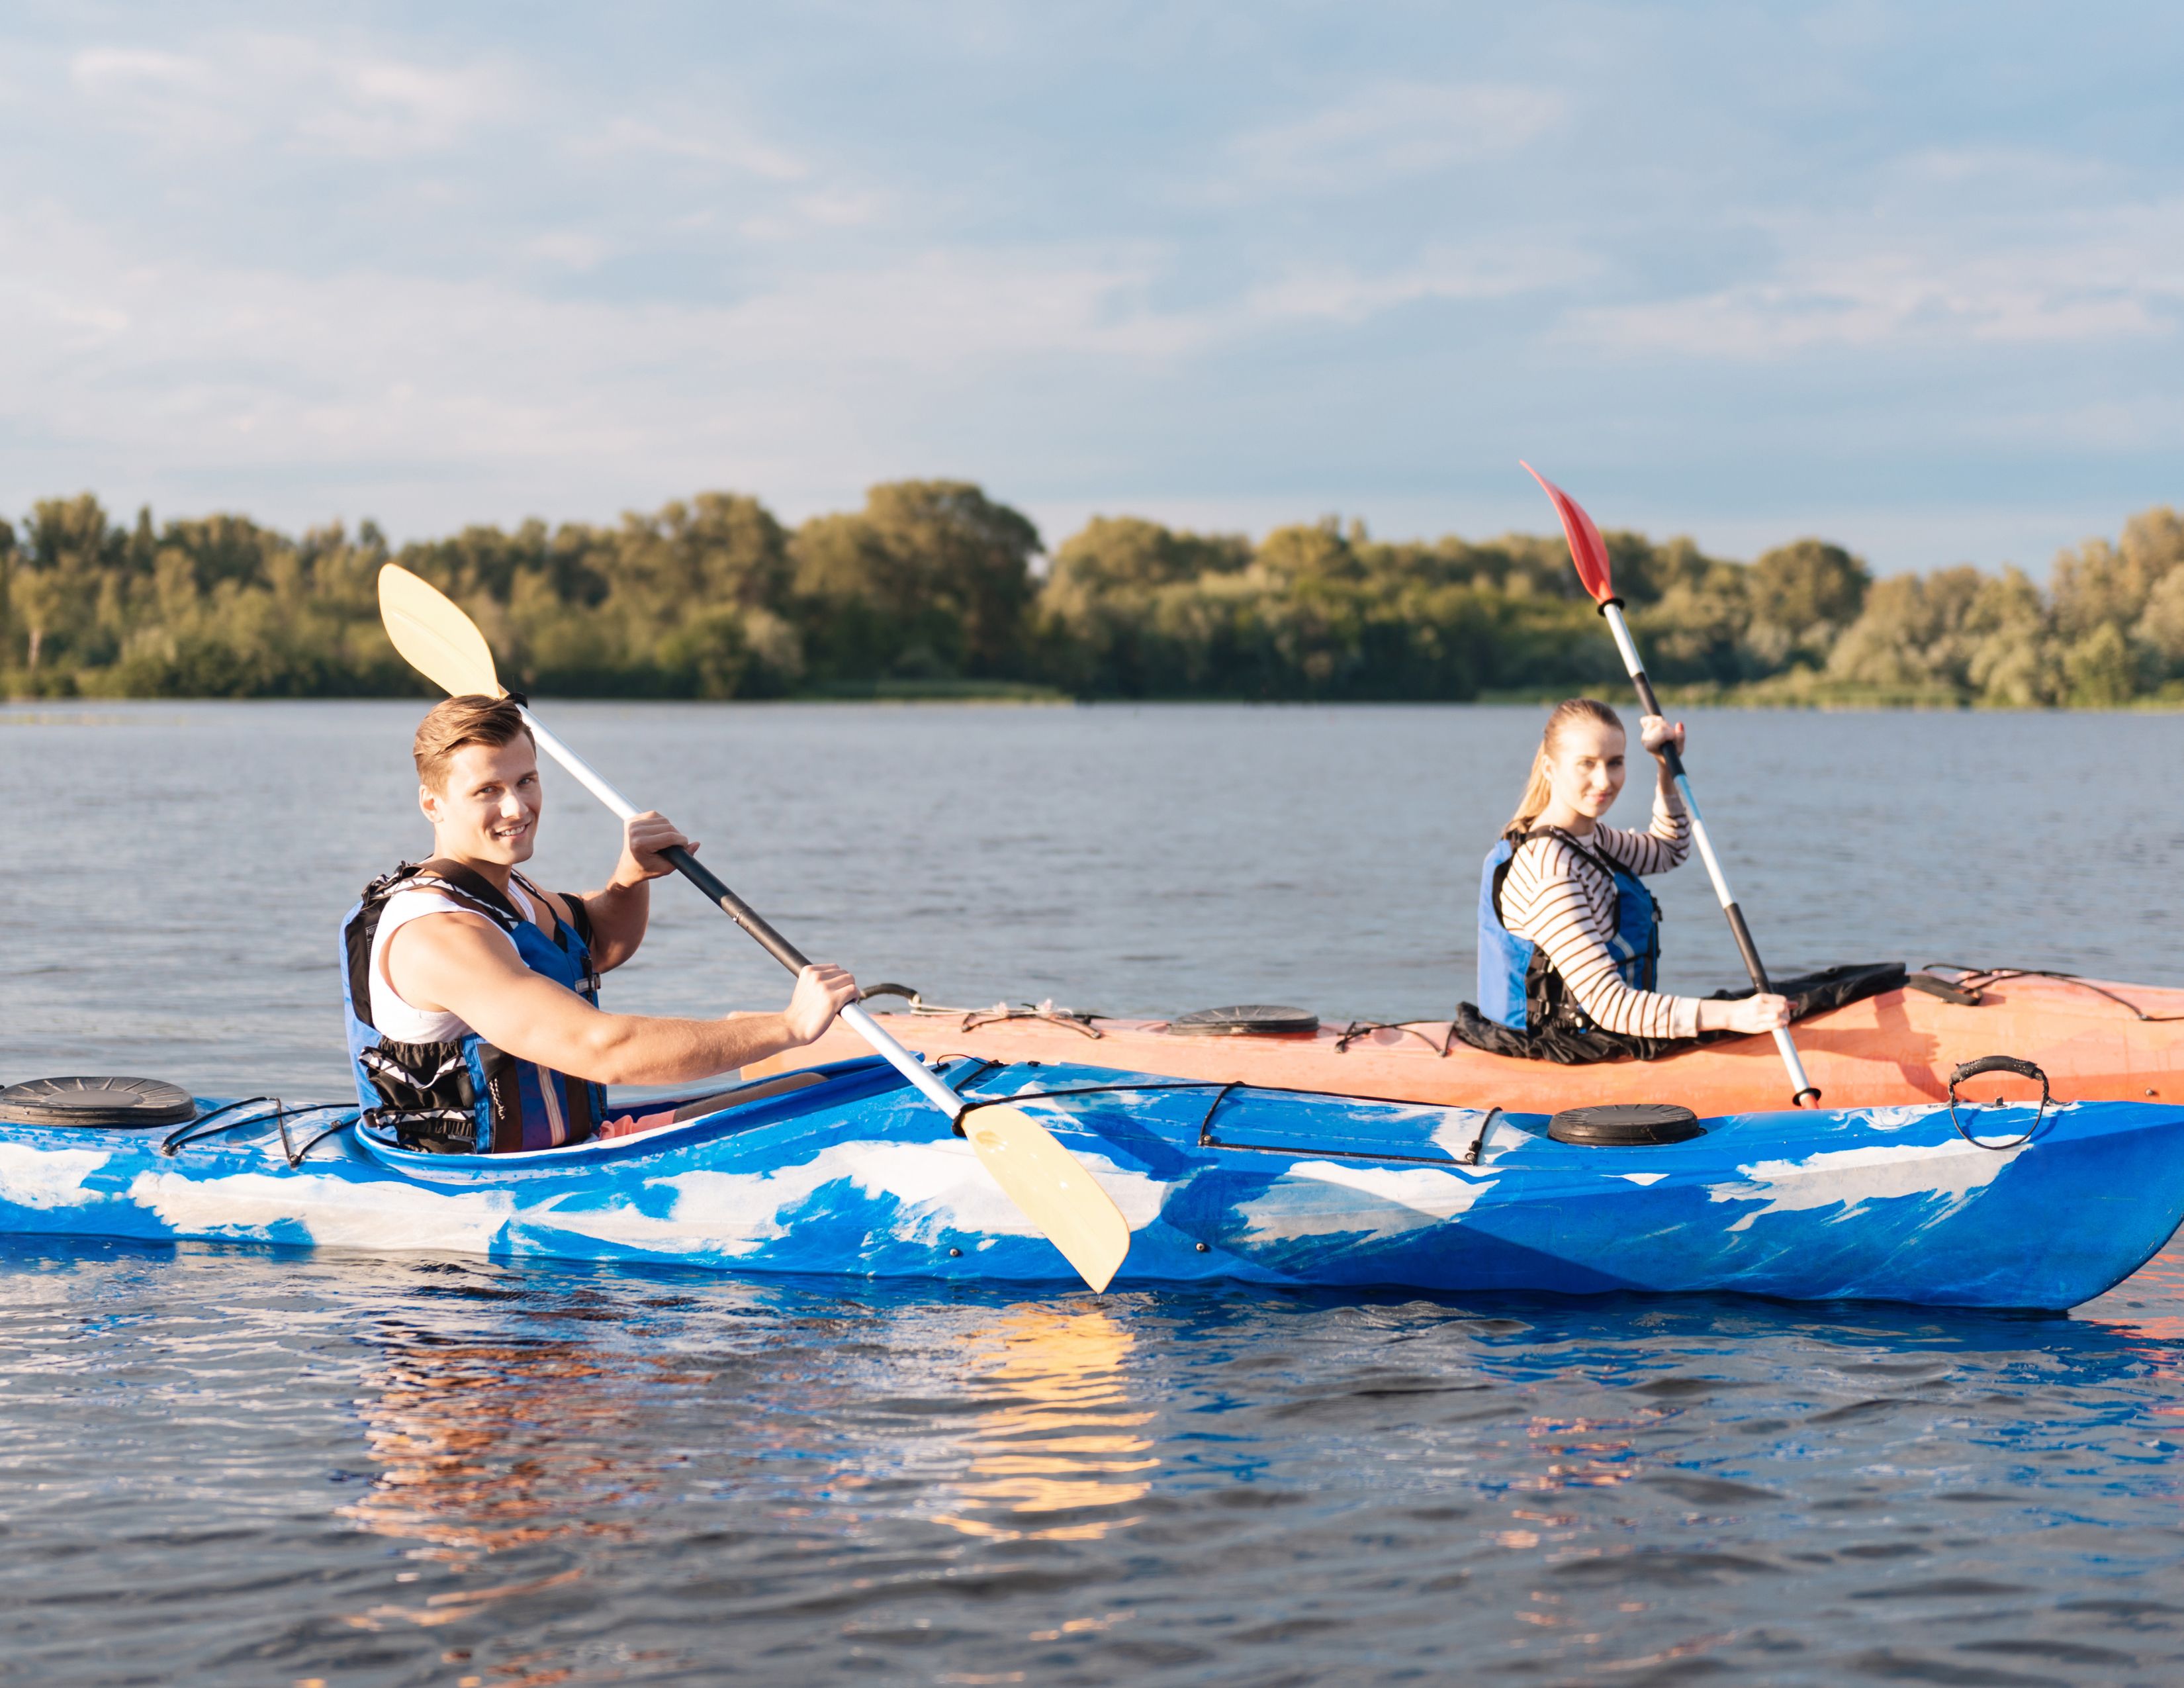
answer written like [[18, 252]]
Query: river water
[[232, 1465]]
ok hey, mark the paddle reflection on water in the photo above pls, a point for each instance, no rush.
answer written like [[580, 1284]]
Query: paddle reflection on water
[[1065, 1446]]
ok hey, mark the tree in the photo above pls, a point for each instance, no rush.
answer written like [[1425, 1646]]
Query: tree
[[1308, 556], [2160, 629], [2103, 584], [2098, 669], [965, 555], [1801, 596], [932, 578], [64, 578]]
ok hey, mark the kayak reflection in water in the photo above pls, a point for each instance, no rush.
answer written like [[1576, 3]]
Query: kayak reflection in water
[[473, 1019], [482, 1447], [1568, 937]]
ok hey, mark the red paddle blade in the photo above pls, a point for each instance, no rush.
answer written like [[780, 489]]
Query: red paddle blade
[[1587, 549]]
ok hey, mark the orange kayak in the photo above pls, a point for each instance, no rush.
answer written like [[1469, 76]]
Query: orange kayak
[[2096, 1042]]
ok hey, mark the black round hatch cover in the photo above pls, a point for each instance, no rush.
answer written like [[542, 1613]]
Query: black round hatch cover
[[96, 1101], [1624, 1124], [1245, 1020]]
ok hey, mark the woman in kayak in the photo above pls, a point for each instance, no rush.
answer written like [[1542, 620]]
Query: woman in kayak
[[472, 994], [1568, 939]]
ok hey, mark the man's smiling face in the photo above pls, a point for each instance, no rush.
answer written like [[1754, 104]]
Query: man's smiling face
[[487, 806]]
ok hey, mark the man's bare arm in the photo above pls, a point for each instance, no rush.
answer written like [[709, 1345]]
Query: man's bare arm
[[461, 965]]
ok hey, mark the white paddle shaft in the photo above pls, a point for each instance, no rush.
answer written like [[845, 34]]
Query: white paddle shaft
[[853, 1014]]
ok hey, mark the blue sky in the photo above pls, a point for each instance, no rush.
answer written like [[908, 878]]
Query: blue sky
[[1908, 277]]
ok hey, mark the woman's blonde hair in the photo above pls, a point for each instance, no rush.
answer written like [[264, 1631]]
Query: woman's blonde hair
[[1539, 792]]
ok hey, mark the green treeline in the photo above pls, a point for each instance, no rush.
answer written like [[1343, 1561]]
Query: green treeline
[[931, 587]]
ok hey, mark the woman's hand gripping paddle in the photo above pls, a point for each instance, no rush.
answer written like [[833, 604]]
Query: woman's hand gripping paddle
[[1590, 553], [1041, 1177]]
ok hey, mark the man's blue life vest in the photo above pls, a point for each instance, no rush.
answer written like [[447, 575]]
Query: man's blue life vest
[[467, 1097], [1517, 985]]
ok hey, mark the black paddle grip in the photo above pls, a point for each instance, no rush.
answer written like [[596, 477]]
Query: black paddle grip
[[737, 909], [1650, 704], [1748, 950]]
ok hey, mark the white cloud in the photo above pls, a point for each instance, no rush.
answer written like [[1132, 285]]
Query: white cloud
[[710, 142], [1999, 247], [841, 208], [284, 89], [1396, 128], [796, 218], [169, 96], [255, 375], [2095, 278], [121, 71], [1340, 294], [570, 249]]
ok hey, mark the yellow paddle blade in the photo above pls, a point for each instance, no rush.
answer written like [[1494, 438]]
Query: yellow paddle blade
[[434, 636], [1053, 1188]]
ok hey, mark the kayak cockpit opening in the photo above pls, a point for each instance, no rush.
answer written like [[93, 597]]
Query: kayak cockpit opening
[[663, 1121]]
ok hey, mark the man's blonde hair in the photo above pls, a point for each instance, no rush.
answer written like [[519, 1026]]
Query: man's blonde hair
[[469, 719]]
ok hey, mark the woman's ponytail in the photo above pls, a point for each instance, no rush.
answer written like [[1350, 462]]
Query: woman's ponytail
[[1539, 790]]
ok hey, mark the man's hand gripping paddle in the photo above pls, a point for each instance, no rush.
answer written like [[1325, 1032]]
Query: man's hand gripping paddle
[[1590, 553], [1041, 1177]]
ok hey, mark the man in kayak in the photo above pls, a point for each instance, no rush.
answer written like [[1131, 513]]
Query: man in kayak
[[1568, 938], [472, 994]]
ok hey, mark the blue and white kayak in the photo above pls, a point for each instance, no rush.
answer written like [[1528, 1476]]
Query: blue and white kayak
[[844, 1169]]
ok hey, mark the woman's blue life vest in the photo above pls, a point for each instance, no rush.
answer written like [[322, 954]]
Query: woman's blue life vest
[[1517, 985], [467, 1097]]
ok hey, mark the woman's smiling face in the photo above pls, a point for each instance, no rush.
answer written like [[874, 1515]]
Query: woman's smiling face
[[1585, 768]]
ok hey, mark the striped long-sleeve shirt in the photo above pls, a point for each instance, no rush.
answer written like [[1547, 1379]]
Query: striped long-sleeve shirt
[[1566, 905]]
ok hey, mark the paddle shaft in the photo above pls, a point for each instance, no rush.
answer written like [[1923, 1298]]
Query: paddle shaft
[[1805, 1092], [737, 910]]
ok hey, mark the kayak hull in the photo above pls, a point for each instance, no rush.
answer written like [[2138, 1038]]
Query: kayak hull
[[1885, 1051], [847, 1172]]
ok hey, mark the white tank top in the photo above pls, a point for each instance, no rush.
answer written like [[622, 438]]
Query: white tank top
[[395, 1018]]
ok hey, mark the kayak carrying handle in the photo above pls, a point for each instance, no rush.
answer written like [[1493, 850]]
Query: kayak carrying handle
[[1998, 1063]]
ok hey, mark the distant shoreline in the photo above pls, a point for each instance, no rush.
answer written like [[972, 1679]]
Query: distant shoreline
[[929, 594], [14, 709]]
